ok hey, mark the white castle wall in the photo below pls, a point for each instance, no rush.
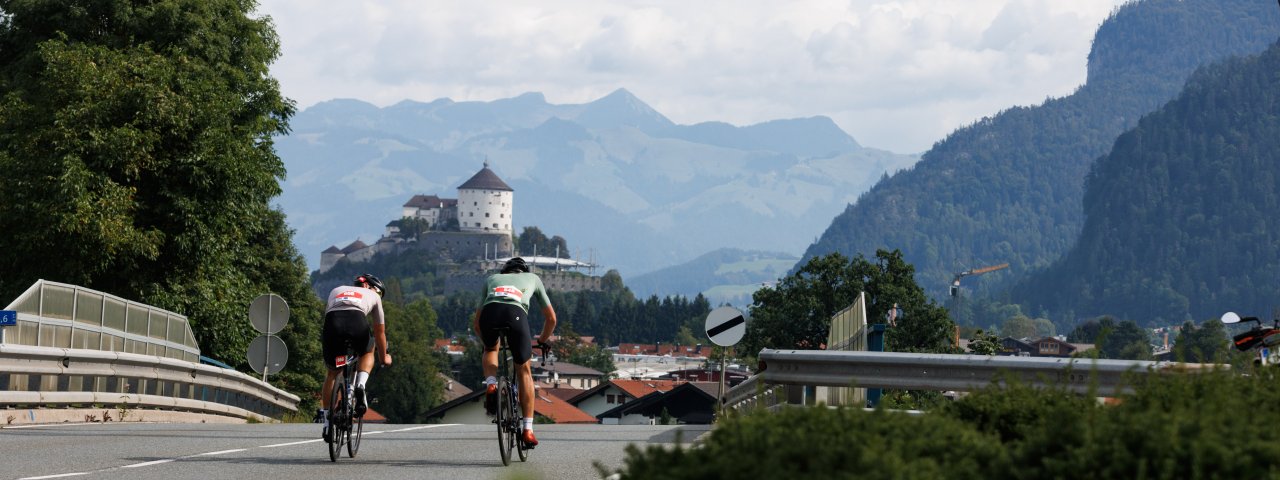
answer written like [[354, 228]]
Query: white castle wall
[[484, 210]]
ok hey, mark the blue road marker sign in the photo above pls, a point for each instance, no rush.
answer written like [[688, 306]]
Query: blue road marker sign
[[8, 318]]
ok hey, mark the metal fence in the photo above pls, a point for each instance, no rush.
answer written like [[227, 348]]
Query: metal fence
[[58, 315], [789, 374]]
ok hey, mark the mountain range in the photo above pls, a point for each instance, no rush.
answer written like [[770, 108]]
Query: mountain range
[[1010, 188], [628, 188], [1181, 220]]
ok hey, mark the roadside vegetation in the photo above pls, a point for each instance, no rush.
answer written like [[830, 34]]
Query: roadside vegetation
[[1179, 426]]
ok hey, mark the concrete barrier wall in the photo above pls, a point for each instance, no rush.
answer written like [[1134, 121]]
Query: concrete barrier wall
[[44, 377]]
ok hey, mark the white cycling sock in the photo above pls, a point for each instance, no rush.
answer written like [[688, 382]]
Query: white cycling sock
[[528, 423], [361, 377], [490, 380], [324, 413]]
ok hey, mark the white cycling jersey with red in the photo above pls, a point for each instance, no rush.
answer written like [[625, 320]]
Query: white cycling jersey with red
[[357, 298]]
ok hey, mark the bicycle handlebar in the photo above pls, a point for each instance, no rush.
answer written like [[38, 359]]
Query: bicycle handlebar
[[544, 347]]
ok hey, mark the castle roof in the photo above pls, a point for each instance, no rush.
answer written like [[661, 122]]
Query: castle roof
[[424, 201], [356, 245], [332, 249], [485, 179]]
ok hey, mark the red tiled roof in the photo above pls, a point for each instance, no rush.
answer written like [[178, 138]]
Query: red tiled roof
[[640, 388], [562, 392], [559, 410], [663, 349], [371, 416]]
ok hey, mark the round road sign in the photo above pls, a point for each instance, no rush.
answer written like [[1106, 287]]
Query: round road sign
[[269, 353], [726, 326], [269, 313]]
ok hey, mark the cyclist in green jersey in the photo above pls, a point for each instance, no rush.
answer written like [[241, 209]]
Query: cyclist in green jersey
[[507, 298]]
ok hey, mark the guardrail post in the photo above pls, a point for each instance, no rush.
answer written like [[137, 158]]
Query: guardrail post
[[875, 343]]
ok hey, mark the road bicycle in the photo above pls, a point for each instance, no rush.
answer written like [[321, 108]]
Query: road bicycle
[[345, 425], [508, 416]]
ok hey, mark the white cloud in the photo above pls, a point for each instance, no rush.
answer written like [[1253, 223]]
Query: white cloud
[[895, 74]]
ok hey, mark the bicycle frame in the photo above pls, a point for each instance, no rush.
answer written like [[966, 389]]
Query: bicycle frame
[[509, 416], [342, 416]]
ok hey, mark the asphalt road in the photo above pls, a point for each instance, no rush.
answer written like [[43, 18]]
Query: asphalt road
[[294, 451]]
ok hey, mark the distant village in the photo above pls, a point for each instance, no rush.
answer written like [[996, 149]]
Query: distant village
[[474, 232]]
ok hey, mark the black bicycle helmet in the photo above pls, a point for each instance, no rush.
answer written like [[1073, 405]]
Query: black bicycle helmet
[[370, 282], [515, 265]]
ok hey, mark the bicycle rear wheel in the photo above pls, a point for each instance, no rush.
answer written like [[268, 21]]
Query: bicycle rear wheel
[[336, 409], [517, 425], [353, 436], [504, 420]]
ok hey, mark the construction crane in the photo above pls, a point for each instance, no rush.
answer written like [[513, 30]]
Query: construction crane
[[955, 283]]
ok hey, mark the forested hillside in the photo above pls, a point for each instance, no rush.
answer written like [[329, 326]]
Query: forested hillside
[[1009, 188], [1181, 216]]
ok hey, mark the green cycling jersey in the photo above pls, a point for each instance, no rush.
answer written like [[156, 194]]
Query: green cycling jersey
[[516, 289]]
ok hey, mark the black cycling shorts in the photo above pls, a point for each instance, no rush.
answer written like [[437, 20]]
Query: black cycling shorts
[[343, 328], [497, 315]]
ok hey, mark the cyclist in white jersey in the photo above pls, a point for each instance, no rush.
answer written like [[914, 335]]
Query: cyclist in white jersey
[[353, 317]]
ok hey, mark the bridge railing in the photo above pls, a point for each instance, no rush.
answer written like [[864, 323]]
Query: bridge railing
[[66, 377], [788, 374]]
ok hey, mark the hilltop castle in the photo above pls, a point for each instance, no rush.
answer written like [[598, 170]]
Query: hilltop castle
[[476, 225]]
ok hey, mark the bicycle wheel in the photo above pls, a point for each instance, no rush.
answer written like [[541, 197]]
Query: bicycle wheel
[[517, 424], [336, 408], [503, 420], [353, 436]]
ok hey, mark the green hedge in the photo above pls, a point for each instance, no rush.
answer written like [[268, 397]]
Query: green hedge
[[1215, 425]]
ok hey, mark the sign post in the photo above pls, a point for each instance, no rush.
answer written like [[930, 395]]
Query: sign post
[[725, 327], [268, 354], [8, 318]]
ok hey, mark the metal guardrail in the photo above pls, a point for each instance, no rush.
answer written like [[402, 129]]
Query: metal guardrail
[[932, 371], [46, 376]]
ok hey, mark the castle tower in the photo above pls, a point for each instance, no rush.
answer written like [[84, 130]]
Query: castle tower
[[484, 203]]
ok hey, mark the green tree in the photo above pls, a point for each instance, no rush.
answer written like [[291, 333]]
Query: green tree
[[1206, 344], [412, 384], [684, 336], [136, 141], [797, 312], [531, 240], [1045, 327], [570, 348], [1018, 327], [982, 343]]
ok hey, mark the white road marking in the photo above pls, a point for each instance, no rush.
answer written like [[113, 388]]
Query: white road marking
[[220, 452], [60, 475], [153, 462], [292, 443]]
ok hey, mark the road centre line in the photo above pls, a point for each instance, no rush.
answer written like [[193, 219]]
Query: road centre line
[[220, 452]]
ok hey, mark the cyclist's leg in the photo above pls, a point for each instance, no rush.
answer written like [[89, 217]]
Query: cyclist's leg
[[525, 374], [492, 317], [331, 346], [521, 352]]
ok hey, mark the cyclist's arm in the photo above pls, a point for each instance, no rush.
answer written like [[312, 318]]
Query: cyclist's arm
[[549, 325], [475, 322], [380, 341]]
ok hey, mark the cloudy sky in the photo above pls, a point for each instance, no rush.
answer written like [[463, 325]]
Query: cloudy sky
[[895, 74]]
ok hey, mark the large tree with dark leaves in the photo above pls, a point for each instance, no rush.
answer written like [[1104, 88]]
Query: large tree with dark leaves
[[136, 146], [797, 312]]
